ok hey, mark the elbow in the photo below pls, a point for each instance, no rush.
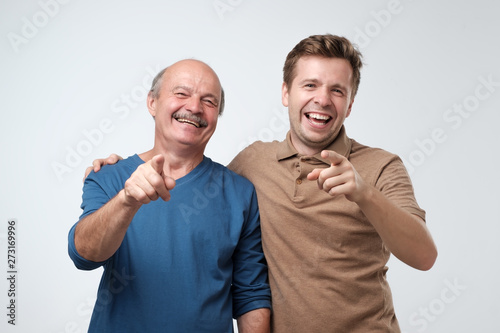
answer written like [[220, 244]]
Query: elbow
[[83, 251], [421, 259], [428, 260], [90, 255], [426, 254], [81, 262]]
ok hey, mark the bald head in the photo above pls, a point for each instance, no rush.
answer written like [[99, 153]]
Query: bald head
[[198, 69]]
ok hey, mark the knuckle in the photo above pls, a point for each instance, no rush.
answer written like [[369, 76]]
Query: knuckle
[[128, 182], [140, 168]]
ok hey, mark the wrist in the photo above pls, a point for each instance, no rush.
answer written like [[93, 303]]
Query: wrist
[[364, 196], [127, 202]]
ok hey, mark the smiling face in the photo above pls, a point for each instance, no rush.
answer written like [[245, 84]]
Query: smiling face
[[319, 99], [186, 108]]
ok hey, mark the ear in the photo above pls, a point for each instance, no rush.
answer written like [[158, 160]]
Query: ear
[[151, 104], [284, 94], [350, 108]]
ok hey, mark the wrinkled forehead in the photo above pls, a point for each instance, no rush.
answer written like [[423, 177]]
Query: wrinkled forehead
[[193, 73]]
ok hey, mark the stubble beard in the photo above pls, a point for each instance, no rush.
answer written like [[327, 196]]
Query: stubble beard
[[319, 143]]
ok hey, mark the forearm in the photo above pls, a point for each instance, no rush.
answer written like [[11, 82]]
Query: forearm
[[100, 234], [404, 234], [255, 321]]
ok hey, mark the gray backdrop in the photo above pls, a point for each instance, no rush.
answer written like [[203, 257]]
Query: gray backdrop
[[73, 87]]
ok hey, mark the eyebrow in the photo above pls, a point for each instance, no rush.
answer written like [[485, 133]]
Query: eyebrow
[[336, 85], [301, 82], [182, 87]]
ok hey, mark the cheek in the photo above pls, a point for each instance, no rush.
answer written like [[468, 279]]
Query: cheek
[[295, 104], [214, 116], [212, 122]]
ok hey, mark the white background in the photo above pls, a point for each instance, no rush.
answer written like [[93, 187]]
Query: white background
[[72, 86]]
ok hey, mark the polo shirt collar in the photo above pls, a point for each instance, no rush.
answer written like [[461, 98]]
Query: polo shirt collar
[[341, 145]]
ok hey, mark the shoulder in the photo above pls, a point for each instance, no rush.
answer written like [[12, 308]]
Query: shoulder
[[371, 162], [254, 156], [262, 147], [114, 176], [386, 171], [230, 185], [370, 157], [360, 150], [229, 176]]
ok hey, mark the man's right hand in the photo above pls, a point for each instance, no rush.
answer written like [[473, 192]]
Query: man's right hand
[[99, 235], [148, 183], [99, 163]]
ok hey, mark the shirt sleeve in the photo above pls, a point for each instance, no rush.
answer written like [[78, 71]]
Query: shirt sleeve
[[93, 198], [250, 282], [395, 183]]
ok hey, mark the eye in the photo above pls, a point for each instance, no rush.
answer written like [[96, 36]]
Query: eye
[[181, 92], [210, 102], [337, 92]]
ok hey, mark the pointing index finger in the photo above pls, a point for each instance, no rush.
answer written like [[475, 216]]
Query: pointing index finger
[[157, 163], [332, 156]]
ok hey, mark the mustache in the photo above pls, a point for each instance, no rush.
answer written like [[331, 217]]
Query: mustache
[[190, 117]]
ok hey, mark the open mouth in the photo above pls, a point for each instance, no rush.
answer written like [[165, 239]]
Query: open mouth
[[190, 120], [186, 121], [317, 118]]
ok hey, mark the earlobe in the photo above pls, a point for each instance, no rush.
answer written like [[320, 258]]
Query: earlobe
[[349, 109], [284, 94], [151, 104]]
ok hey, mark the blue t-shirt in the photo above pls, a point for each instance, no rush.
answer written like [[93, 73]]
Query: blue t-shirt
[[187, 265]]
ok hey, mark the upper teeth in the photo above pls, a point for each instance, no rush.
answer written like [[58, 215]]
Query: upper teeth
[[182, 120], [318, 116]]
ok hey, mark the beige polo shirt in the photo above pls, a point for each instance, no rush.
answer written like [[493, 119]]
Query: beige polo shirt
[[327, 264]]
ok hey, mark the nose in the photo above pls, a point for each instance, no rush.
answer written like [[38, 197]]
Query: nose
[[194, 105], [322, 97]]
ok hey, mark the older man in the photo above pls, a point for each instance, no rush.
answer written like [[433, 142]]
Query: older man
[[178, 235]]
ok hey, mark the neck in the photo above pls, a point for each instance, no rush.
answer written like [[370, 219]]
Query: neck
[[312, 148], [176, 165], [304, 149]]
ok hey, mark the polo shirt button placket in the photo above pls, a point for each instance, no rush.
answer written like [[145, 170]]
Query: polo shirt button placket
[[298, 181]]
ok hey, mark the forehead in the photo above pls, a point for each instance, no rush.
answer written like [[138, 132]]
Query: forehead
[[323, 69], [193, 74]]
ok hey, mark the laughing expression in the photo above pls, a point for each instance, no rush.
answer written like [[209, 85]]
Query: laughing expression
[[318, 100], [187, 107]]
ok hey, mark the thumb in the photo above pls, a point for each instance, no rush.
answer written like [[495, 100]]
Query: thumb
[[157, 163], [169, 182]]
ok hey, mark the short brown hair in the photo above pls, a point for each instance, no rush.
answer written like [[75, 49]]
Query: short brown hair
[[329, 46]]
